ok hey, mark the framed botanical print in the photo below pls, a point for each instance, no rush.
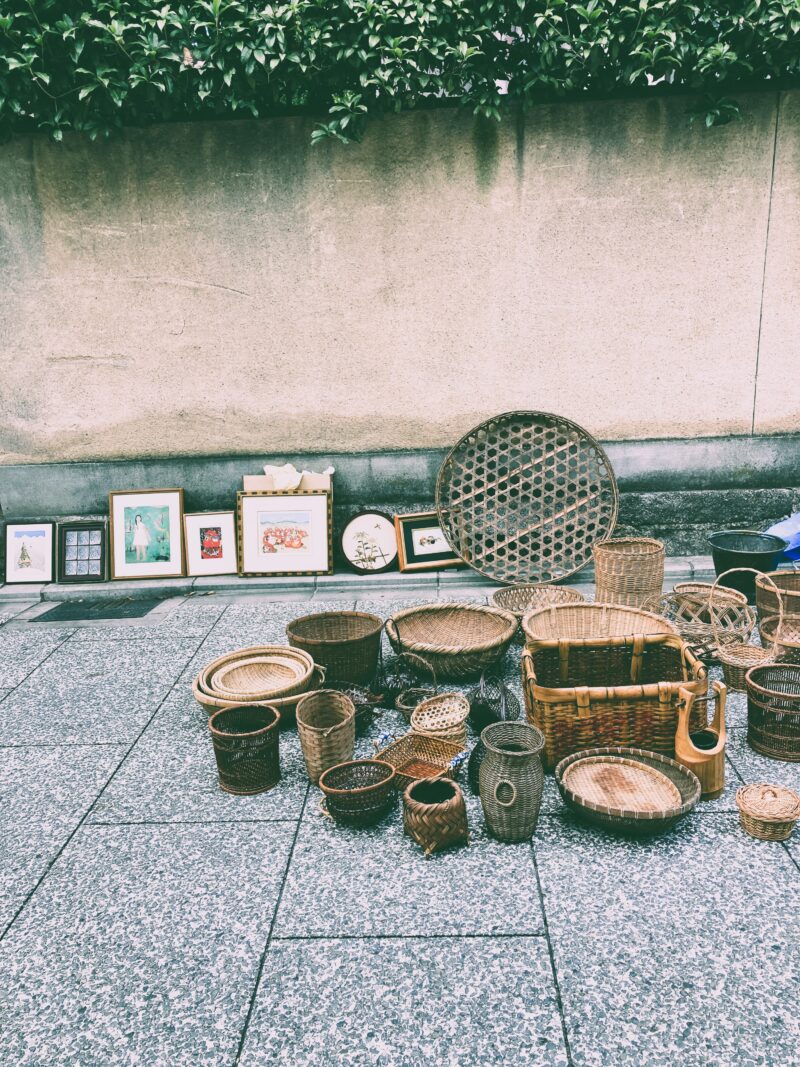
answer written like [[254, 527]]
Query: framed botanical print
[[421, 545], [146, 533], [82, 553], [29, 551], [369, 542], [210, 538], [283, 533]]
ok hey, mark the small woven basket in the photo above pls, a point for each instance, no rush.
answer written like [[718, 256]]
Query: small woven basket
[[415, 756], [326, 723], [768, 812], [457, 640], [520, 599], [400, 680], [443, 716], [737, 658], [688, 609], [788, 584], [358, 792], [628, 570], [246, 747], [773, 711], [435, 814], [346, 643]]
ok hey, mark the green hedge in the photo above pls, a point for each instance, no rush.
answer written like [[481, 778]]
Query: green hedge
[[94, 66]]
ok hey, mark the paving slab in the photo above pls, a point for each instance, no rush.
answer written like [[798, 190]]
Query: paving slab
[[401, 1003], [22, 651], [682, 950], [376, 882], [141, 947], [753, 767], [44, 792], [171, 775], [93, 691]]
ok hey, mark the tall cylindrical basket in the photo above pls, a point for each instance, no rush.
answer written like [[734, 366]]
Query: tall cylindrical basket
[[512, 779], [246, 747], [326, 723], [628, 570]]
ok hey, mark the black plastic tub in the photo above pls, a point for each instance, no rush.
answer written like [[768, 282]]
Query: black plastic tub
[[745, 548]]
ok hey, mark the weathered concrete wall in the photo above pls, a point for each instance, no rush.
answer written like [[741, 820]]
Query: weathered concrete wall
[[224, 288]]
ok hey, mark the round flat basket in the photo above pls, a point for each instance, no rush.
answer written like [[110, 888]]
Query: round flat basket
[[525, 495], [627, 789], [260, 677], [585, 622]]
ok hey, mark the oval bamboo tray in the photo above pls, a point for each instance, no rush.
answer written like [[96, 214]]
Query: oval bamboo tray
[[287, 706], [284, 652], [457, 640], [581, 622], [610, 800]]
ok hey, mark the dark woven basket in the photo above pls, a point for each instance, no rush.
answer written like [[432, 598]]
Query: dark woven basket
[[435, 814], [246, 746], [490, 701], [359, 792], [773, 711], [346, 643]]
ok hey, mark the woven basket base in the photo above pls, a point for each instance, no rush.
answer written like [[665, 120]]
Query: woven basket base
[[764, 831]]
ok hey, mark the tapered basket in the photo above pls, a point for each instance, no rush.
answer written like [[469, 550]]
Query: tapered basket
[[435, 814], [326, 723], [246, 747], [628, 570], [773, 711]]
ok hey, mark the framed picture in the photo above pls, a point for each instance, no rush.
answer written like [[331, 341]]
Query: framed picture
[[82, 553], [210, 538], [284, 533], [421, 545], [146, 533], [369, 542], [29, 551]]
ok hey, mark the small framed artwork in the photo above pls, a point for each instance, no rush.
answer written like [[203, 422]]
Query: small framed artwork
[[210, 543], [146, 533], [369, 542], [421, 545], [283, 533], [82, 554], [29, 551]]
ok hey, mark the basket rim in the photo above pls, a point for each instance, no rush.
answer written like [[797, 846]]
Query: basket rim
[[361, 789], [537, 739], [350, 713], [666, 627], [630, 755], [784, 668], [743, 806], [249, 733], [318, 616]]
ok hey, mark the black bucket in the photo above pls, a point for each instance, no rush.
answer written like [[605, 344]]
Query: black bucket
[[745, 548]]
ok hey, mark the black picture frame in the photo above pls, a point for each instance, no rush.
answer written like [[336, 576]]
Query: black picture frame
[[408, 558], [85, 546], [368, 513]]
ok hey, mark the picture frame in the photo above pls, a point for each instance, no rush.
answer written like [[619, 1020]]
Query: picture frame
[[284, 533], [146, 533], [82, 551], [30, 552], [211, 543], [368, 542], [421, 544]]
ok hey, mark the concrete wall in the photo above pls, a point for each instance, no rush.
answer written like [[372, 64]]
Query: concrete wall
[[225, 288]]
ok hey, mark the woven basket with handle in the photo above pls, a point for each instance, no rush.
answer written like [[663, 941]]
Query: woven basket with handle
[[457, 640], [768, 812]]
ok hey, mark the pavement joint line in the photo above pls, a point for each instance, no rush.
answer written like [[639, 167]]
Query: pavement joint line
[[407, 937], [187, 822], [66, 744], [12, 689], [29, 896], [551, 954], [261, 962]]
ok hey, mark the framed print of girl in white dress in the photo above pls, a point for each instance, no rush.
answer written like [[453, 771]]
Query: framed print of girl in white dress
[[147, 533]]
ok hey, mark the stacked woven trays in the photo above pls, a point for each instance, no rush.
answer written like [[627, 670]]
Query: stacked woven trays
[[443, 716], [275, 674]]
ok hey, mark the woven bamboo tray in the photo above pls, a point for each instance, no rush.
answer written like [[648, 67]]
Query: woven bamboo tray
[[627, 790], [358, 792], [457, 640], [443, 716], [768, 812], [587, 621], [523, 497], [773, 711], [788, 584], [287, 706], [346, 643], [621, 692], [628, 570], [285, 657], [415, 757]]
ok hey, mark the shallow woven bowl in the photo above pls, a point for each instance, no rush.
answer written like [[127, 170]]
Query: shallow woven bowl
[[629, 820], [520, 599], [458, 640], [585, 621], [283, 654], [359, 792], [261, 677]]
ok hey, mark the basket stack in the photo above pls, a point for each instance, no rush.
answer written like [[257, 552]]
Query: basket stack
[[274, 674], [443, 716], [628, 570]]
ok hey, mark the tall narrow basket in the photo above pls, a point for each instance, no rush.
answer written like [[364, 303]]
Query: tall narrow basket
[[628, 570], [326, 723], [246, 746]]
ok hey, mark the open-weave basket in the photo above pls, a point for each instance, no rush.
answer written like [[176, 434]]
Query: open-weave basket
[[346, 643], [259, 673], [327, 729], [415, 756], [586, 621], [628, 570], [788, 586], [443, 716], [689, 609], [738, 657], [767, 812], [400, 682], [246, 748], [435, 814], [784, 635], [457, 640], [358, 792], [773, 711]]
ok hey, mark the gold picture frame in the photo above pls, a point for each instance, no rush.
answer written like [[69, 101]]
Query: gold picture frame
[[123, 528], [292, 525]]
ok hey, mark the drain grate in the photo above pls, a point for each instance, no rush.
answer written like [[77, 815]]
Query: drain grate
[[88, 610]]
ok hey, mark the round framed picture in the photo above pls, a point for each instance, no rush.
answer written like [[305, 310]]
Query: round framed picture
[[369, 542]]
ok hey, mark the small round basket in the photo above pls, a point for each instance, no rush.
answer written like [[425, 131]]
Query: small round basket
[[443, 716], [345, 643], [435, 814], [327, 729], [628, 790], [359, 792], [767, 812], [628, 570], [457, 640]]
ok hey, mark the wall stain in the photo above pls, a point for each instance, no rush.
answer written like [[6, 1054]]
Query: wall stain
[[486, 143]]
